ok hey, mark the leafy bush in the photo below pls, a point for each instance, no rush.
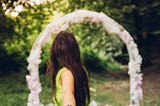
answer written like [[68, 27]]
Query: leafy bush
[[93, 62], [99, 49], [45, 57]]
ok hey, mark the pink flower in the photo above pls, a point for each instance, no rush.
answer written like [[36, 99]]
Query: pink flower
[[95, 20], [126, 37], [136, 83], [35, 88], [56, 29], [33, 97]]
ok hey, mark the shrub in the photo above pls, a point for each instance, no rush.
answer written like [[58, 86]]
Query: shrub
[[93, 62]]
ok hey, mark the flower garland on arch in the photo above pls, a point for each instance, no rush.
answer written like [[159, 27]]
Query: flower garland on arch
[[78, 17], [136, 92]]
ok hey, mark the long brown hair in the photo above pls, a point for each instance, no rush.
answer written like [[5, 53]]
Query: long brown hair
[[65, 52]]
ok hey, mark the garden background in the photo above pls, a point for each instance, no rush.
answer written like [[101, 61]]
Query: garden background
[[105, 56]]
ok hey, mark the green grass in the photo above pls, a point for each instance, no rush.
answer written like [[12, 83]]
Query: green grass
[[105, 89], [13, 90]]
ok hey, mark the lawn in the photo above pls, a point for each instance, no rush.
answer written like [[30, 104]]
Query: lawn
[[106, 88]]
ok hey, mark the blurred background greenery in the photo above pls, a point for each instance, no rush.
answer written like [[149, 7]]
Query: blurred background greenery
[[102, 53]]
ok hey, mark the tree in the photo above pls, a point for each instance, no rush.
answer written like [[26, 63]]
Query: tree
[[32, 20], [23, 29], [18, 34], [6, 31], [14, 7], [146, 14]]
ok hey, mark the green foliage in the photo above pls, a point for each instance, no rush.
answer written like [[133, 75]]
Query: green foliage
[[93, 62], [18, 34], [120, 10], [148, 13], [13, 89], [32, 20], [6, 37], [98, 47], [45, 57], [17, 44]]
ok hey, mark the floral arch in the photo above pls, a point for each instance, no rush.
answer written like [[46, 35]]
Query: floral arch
[[62, 24]]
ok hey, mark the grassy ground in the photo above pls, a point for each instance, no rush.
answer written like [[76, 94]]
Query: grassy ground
[[109, 89], [106, 88]]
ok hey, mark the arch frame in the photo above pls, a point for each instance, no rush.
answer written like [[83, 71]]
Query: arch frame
[[61, 24]]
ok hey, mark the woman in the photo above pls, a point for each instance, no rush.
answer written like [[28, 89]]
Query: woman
[[69, 78]]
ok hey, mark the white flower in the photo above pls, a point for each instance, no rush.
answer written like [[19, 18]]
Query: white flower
[[136, 90], [93, 103], [126, 37]]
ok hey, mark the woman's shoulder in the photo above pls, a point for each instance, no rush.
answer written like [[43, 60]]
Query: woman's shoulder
[[59, 74], [65, 72]]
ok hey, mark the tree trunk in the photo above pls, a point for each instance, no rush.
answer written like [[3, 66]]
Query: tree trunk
[[142, 35]]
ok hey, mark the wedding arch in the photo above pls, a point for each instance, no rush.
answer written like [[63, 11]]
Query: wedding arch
[[62, 24]]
